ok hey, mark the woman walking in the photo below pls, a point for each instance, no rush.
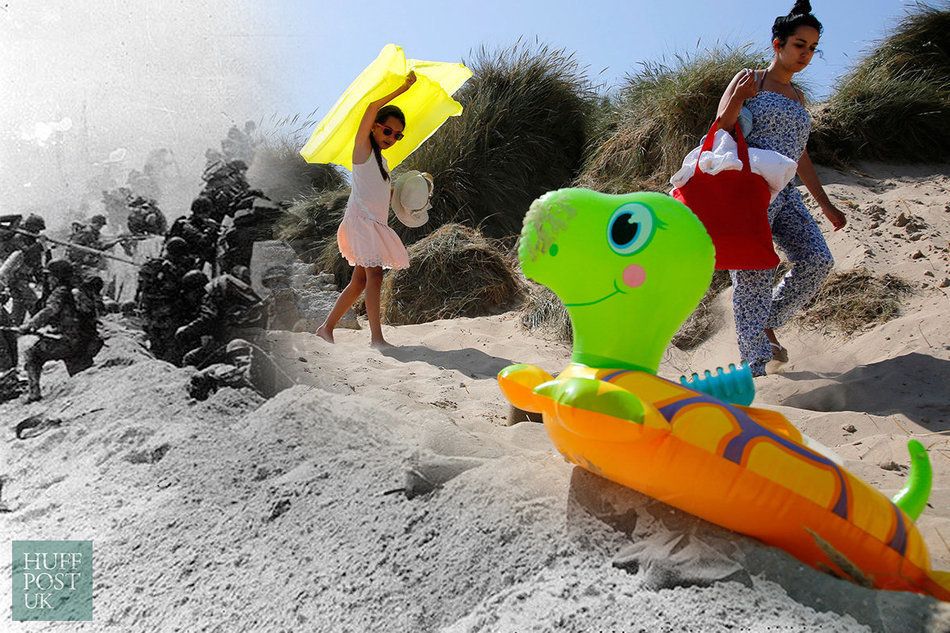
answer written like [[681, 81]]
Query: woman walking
[[780, 123]]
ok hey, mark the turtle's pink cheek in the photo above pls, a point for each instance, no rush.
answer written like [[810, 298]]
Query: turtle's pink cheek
[[634, 275]]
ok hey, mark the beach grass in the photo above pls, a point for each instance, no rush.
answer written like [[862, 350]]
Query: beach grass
[[894, 105], [659, 114], [853, 300], [453, 272], [311, 222], [523, 132], [280, 171]]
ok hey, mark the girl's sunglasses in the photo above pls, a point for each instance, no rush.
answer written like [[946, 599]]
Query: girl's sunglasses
[[388, 131]]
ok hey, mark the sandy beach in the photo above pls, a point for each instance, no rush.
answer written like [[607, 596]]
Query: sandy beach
[[387, 491]]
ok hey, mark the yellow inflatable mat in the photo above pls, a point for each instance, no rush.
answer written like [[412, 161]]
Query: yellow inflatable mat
[[426, 105]]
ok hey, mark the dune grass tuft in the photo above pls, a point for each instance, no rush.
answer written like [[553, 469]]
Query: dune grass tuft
[[544, 312], [311, 222], [282, 174], [853, 300], [895, 104], [454, 272]]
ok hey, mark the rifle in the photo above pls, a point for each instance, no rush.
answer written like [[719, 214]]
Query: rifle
[[126, 237], [131, 237], [52, 337], [85, 249]]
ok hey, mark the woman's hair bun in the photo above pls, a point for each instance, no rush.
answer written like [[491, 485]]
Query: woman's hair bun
[[800, 15], [802, 7]]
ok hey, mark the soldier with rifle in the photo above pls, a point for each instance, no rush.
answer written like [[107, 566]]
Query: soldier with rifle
[[90, 237], [199, 230], [71, 245], [22, 257], [69, 317]]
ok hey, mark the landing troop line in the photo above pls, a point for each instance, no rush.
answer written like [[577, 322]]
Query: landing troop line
[[193, 301]]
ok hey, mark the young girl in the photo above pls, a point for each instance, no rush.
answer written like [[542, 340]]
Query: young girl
[[780, 123], [364, 236]]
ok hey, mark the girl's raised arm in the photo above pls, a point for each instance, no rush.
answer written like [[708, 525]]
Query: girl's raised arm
[[362, 147]]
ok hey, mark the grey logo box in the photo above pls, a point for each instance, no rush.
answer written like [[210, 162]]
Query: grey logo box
[[52, 581]]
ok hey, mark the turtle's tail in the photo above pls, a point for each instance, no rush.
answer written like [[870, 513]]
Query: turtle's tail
[[912, 498]]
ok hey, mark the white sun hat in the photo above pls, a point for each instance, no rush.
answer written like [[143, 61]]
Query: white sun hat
[[412, 192]]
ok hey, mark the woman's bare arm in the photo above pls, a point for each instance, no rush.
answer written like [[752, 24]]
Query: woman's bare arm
[[806, 171]]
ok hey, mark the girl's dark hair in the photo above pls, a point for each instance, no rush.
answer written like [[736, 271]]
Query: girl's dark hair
[[800, 15], [384, 113]]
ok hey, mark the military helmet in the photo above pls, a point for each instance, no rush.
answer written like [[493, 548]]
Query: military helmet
[[60, 268], [34, 223], [128, 308], [202, 206], [176, 247], [94, 283], [193, 279], [98, 219], [242, 272]]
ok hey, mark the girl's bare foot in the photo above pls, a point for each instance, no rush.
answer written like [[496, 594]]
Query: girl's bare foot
[[325, 333], [380, 344]]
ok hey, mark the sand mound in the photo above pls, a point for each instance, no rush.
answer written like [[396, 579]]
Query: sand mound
[[290, 515]]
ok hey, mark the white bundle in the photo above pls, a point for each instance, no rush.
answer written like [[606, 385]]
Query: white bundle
[[777, 169]]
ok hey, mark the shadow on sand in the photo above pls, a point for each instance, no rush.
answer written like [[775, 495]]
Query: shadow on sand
[[916, 385], [471, 362]]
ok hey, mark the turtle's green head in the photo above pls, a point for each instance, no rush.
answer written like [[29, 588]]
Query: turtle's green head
[[629, 268]]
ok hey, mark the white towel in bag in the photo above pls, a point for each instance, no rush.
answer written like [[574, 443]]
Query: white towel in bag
[[777, 169]]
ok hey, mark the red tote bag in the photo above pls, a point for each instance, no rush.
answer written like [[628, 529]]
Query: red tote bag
[[733, 206]]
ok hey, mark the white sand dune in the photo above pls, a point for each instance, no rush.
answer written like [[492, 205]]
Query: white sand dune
[[386, 491]]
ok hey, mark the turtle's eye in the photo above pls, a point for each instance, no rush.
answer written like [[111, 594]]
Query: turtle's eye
[[630, 228]]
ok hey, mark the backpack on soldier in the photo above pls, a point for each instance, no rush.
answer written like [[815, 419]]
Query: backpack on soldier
[[148, 279]]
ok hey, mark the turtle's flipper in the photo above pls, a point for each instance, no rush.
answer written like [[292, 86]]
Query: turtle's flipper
[[517, 382], [596, 409]]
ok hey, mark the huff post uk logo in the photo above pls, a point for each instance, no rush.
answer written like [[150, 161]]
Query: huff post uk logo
[[52, 580]]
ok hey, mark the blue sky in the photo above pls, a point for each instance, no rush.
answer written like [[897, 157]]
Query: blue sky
[[84, 81], [322, 46]]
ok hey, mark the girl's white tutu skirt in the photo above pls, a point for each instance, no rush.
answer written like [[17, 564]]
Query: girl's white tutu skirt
[[368, 243]]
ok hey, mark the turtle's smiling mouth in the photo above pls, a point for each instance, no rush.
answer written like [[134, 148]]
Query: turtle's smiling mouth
[[616, 291]]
